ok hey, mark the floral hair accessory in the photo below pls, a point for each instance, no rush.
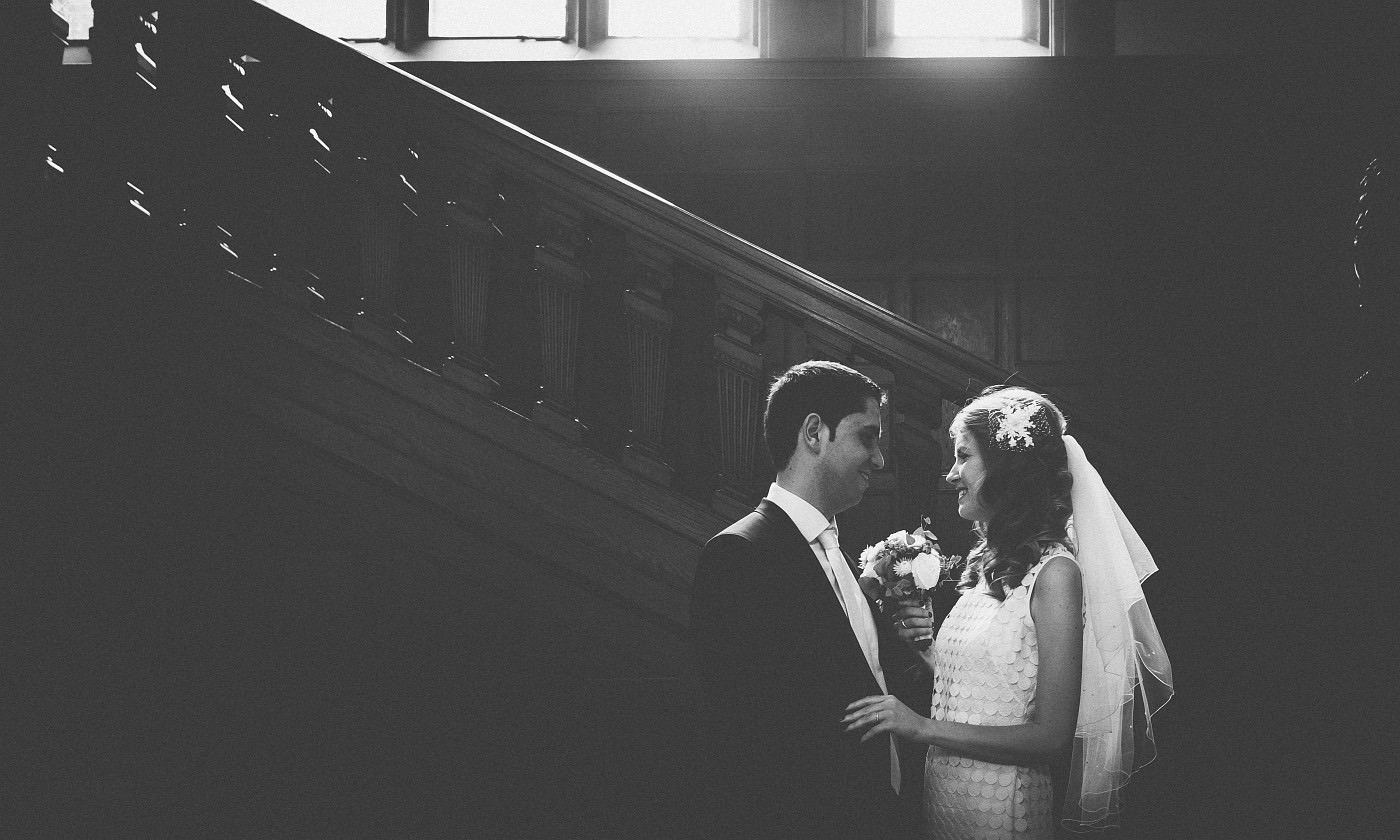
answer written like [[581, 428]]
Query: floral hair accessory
[[1018, 426]]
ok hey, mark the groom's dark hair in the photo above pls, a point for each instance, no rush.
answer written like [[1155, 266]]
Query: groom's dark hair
[[829, 390]]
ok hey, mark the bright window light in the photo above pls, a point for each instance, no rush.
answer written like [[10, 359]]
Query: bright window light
[[487, 19], [957, 19], [676, 18], [336, 18], [78, 13]]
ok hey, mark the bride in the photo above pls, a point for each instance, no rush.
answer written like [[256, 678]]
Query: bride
[[1051, 645]]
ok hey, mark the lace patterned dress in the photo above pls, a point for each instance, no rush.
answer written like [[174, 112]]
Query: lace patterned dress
[[985, 673]]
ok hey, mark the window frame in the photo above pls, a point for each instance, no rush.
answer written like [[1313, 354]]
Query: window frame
[[600, 10], [406, 37], [586, 29], [62, 26]]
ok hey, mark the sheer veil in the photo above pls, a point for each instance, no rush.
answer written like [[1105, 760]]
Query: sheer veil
[[1126, 677]]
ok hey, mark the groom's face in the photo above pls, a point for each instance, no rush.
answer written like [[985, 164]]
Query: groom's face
[[847, 461]]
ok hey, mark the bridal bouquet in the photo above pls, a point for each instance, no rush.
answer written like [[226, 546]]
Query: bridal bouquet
[[906, 565]]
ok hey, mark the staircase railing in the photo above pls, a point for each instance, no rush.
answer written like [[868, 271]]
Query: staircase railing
[[509, 266]]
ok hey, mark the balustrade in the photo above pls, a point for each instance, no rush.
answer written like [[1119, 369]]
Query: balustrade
[[472, 239], [561, 285], [515, 270], [648, 352], [738, 365]]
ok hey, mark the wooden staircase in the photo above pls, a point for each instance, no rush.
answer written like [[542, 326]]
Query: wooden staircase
[[503, 268]]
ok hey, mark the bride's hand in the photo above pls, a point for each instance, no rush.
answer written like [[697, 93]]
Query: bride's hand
[[882, 713], [913, 621]]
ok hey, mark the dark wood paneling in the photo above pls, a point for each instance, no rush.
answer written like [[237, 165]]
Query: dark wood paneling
[[963, 310]]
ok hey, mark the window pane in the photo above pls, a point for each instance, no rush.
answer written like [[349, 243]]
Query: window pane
[[958, 19], [78, 13], [677, 18], [336, 18], [497, 18]]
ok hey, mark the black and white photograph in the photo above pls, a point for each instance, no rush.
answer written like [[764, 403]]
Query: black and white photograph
[[699, 419]]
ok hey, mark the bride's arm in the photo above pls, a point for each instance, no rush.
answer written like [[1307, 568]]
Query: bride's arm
[[1057, 610]]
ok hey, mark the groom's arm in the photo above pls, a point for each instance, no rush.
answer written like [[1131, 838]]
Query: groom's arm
[[776, 771], [733, 650]]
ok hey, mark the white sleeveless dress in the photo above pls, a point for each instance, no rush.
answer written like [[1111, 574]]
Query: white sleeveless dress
[[985, 664]]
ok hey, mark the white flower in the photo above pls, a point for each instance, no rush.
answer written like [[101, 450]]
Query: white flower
[[926, 568], [1015, 426], [903, 567], [897, 538], [868, 555]]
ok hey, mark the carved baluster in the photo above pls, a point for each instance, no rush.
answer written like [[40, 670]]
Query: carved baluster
[[738, 365], [382, 212], [689, 435], [122, 41], [472, 241], [287, 189], [380, 223], [194, 69], [308, 199], [561, 285], [648, 355], [223, 115], [334, 161], [29, 120]]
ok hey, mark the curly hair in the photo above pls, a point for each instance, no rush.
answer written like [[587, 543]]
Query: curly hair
[[1026, 489]]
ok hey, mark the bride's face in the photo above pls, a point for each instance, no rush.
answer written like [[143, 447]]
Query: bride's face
[[967, 475]]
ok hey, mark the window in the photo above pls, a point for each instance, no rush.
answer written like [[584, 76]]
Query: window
[[585, 24], [546, 30], [78, 13], [957, 19], [959, 27], [727, 19], [516, 19], [349, 19]]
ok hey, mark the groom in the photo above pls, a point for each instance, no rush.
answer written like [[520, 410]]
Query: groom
[[785, 639]]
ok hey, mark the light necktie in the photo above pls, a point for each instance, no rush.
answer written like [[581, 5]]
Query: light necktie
[[852, 601], [862, 623]]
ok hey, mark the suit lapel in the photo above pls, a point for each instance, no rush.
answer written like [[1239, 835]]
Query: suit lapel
[[828, 618], [803, 566]]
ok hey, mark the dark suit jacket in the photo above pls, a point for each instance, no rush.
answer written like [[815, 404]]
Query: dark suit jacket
[[778, 663]]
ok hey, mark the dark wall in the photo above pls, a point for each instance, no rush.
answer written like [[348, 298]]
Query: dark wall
[[1287, 28]]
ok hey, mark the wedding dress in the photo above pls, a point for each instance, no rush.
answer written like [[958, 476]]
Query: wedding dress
[[985, 664]]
